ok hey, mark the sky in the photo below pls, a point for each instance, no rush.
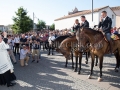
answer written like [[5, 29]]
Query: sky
[[47, 10]]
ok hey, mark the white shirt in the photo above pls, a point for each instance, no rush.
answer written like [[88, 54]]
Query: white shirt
[[10, 43], [17, 40], [23, 53], [104, 18], [51, 38]]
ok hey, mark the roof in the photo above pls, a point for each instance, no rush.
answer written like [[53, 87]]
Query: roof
[[81, 13], [1, 25], [115, 8]]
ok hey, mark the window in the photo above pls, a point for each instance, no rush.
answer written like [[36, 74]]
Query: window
[[112, 16]]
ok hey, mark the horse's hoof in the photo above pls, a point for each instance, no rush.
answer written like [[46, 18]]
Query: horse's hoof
[[116, 70], [79, 72], [75, 70], [89, 77], [100, 79], [86, 62]]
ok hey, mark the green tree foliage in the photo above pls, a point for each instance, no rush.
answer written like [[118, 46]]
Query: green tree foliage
[[41, 25], [22, 22], [52, 27]]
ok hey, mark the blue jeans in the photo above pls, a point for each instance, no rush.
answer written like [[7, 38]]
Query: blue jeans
[[108, 36]]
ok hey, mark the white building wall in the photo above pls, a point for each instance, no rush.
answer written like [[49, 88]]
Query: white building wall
[[117, 21], [110, 14], [69, 22]]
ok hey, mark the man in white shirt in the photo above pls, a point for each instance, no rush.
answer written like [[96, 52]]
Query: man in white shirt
[[50, 40], [23, 56], [17, 42]]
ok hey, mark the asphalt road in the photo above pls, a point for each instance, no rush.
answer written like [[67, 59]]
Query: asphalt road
[[50, 74]]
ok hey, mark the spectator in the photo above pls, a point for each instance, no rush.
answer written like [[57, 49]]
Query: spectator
[[24, 58], [36, 50]]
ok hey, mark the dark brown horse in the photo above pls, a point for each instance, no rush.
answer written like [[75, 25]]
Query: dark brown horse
[[98, 47], [68, 47], [55, 44]]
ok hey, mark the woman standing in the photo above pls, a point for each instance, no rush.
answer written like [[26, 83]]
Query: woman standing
[[6, 67]]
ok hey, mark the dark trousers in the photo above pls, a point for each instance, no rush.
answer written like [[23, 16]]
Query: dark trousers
[[16, 48]]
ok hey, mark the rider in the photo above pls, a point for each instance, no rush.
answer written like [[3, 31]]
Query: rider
[[76, 25], [84, 22], [105, 25]]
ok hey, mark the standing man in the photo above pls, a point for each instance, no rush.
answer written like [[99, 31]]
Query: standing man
[[50, 40], [84, 23], [105, 27], [10, 50], [23, 40], [16, 42]]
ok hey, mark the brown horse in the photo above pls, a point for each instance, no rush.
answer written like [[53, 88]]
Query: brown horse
[[55, 43], [70, 46], [98, 47]]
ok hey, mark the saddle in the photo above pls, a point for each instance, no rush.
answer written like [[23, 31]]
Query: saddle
[[114, 37]]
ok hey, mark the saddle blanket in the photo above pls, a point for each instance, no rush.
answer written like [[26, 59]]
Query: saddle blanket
[[114, 37]]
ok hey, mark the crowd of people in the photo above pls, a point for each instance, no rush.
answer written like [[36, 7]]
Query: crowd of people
[[29, 43]]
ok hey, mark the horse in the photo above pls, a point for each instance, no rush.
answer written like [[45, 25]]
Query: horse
[[99, 46], [55, 43], [68, 47]]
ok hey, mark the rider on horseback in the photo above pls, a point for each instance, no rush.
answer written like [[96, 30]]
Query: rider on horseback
[[105, 27], [77, 25]]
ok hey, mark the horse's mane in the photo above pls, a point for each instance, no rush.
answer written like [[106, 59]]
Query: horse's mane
[[71, 36], [92, 30], [59, 37]]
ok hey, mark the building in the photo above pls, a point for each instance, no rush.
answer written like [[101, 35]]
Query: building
[[2, 27], [68, 20]]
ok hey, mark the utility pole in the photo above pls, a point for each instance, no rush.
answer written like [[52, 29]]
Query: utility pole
[[33, 21], [92, 11]]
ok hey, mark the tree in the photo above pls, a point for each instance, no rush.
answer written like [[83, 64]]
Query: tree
[[52, 27], [22, 22], [41, 25]]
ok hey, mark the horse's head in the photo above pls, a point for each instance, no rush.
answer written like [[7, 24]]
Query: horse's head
[[87, 36], [83, 40]]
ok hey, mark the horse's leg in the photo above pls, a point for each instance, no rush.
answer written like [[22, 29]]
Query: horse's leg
[[76, 66], [92, 65], [96, 60], [100, 66], [86, 54], [72, 59], [66, 62], [80, 60], [117, 61]]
